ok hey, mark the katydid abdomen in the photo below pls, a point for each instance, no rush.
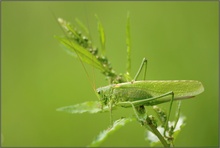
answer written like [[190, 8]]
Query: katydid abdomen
[[149, 92]]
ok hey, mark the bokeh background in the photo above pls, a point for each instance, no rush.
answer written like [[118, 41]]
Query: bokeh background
[[179, 39]]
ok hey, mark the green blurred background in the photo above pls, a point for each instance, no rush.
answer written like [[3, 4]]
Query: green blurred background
[[179, 39]]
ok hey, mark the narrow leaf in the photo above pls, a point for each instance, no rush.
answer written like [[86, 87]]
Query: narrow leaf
[[86, 107], [68, 51], [116, 126], [101, 34], [128, 43], [84, 54]]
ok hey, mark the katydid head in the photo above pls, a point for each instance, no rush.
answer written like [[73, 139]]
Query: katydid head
[[103, 94]]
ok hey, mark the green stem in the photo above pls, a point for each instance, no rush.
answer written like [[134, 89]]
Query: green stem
[[156, 132], [146, 121]]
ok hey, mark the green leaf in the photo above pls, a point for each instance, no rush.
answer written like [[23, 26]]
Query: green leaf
[[84, 54], [86, 107], [68, 51], [116, 126], [101, 34], [128, 43]]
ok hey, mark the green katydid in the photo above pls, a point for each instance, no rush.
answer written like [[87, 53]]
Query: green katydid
[[131, 93], [148, 92]]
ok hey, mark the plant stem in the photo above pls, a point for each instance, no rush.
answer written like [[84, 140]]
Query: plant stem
[[156, 132], [146, 121]]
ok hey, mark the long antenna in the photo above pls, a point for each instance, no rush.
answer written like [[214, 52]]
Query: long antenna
[[90, 36], [59, 20]]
